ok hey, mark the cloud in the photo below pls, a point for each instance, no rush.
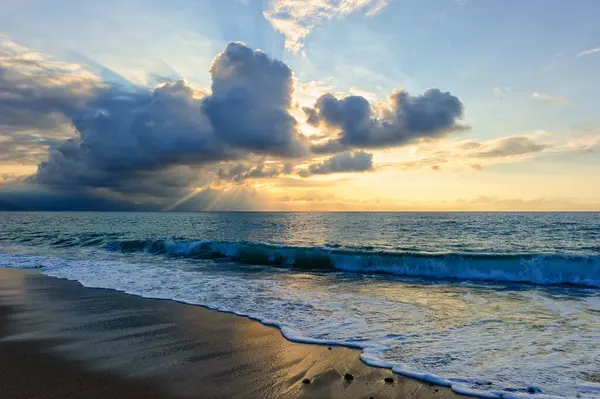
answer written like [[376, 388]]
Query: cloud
[[358, 161], [292, 182], [588, 52], [39, 93], [38, 98], [475, 155], [587, 144], [130, 138], [126, 138], [36, 198], [405, 119], [377, 7], [547, 98], [250, 102], [296, 19], [498, 93], [534, 204], [504, 147], [28, 147], [6, 177], [430, 162], [161, 146], [241, 172]]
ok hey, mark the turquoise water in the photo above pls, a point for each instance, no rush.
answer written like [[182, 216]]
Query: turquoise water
[[489, 303]]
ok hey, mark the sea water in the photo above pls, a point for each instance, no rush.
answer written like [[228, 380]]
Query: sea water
[[489, 304]]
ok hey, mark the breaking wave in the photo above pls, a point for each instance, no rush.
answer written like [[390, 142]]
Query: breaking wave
[[545, 269]]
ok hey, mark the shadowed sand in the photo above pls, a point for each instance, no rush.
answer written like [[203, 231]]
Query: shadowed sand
[[61, 340]]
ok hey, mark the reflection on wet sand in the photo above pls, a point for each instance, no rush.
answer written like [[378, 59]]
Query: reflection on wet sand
[[191, 351]]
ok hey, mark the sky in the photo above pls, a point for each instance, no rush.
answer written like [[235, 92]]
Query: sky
[[300, 105]]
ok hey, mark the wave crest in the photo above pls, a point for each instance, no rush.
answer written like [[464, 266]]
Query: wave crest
[[529, 268]]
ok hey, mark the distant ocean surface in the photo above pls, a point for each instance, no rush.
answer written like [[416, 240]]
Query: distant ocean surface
[[491, 304]]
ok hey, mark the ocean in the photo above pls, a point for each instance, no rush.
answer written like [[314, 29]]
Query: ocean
[[490, 304]]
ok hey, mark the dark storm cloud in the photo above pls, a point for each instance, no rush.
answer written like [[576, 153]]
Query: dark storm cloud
[[101, 137], [345, 162], [23, 197], [131, 139], [126, 136], [406, 119], [36, 198], [250, 102]]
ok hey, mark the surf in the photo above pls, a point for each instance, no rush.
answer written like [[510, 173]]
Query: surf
[[543, 269]]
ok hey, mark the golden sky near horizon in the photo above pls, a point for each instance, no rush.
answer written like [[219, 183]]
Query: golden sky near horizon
[[528, 137]]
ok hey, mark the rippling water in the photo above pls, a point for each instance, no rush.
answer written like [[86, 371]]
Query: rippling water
[[488, 303]]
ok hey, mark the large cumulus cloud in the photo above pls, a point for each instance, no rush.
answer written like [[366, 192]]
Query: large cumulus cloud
[[250, 102], [114, 140], [130, 135], [405, 119]]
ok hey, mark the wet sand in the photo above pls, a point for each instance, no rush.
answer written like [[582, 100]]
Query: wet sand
[[61, 340]]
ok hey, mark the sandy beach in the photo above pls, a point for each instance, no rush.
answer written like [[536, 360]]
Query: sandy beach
[[61, 340]]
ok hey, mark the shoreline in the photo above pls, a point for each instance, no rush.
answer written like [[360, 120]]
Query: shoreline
[[192, 350]]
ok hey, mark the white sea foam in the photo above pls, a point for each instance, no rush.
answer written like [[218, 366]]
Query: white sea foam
[[479, 339]]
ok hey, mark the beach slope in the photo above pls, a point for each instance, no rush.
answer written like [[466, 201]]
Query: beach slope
[[61, 340]]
